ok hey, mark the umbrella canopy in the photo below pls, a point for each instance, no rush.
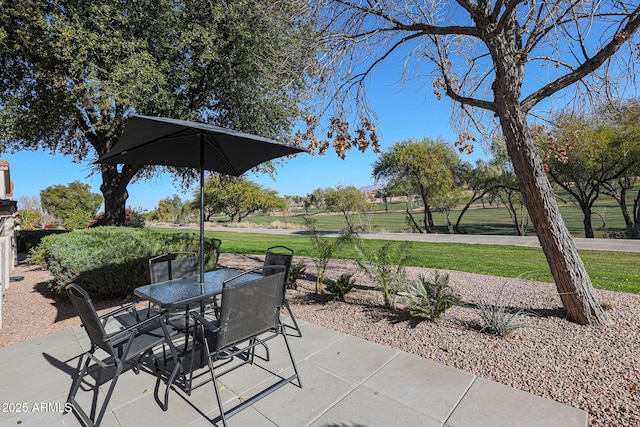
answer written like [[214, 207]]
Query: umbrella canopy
[[170, 142], [163, 141]]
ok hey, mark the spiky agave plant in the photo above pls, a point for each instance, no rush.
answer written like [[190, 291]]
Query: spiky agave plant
[[430, 297]]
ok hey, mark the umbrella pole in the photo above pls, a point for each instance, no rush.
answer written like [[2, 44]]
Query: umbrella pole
[[201, 207]]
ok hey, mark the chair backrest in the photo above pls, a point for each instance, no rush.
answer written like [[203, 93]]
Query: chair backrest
[[249, 309], [168, 267], [278, 255], [90, 320]]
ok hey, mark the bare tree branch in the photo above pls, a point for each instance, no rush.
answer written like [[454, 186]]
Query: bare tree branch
[[588, 66]]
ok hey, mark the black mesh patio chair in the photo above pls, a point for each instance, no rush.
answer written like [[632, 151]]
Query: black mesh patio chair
[[175, 265], [124, 347], [282, 255], [249, 317]]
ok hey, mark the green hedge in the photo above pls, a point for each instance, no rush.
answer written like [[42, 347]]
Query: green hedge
[[30, 239], [111, 262]]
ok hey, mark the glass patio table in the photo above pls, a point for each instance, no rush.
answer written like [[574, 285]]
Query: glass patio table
[[183, 293], [187, 291]]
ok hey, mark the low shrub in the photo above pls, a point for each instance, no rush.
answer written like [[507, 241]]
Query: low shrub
[[325, 249], [297, 271], [499, 318], [339, 288], [386, 267], [430, 298], [112, 261]]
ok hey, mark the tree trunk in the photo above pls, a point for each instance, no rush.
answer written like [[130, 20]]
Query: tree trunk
[[621, 199], [572, 281], [431, 226], [622, 202], [636, 216], [114, 191], [447, 214], [462, 212], [586, 221], [415, 224], [427, 217], [474, 198]]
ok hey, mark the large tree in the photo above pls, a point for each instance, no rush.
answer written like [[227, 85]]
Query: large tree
[[583, 153], [237, 197], [506, 187], [479, 181], [479, 52], [426, 166], [74, 204], [173, 210], [71, 71], [625, 117], [346, 200]]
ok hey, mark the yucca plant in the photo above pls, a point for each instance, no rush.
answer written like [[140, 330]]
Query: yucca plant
[[430, 297], [297, 271], [385, 266], [499, 318]]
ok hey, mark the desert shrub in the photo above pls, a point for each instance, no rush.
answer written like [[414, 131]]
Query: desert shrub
[[297, 271], [430, 297], [112, 261], [386, 267], [339, 288], [324, 249], [77, 218], [499, 318]]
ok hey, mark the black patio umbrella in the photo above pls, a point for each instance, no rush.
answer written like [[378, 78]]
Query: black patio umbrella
[[163, 141]]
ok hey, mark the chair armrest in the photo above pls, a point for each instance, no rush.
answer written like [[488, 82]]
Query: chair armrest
[[205, 322], [120, 310]]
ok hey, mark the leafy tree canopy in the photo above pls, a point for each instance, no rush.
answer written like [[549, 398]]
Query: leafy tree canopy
[[74, 204], [72, 70], [427, 167], [586, 151], [347, 200], [237, 197]]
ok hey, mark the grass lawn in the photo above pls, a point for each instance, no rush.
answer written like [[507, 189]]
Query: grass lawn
[[616, 271], [606, 218]]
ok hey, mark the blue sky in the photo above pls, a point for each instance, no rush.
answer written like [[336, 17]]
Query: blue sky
[[403, 113]]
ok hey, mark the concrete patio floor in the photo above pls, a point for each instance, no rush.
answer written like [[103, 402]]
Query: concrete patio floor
[[347, 382]]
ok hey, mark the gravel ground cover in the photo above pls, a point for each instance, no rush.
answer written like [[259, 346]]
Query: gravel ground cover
[[595, 369]]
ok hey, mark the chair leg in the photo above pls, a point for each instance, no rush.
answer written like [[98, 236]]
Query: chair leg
[[177, 369], [112, 386], [76, 384], [293, 319], [91, 420], [293, 362], [215, 387]]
